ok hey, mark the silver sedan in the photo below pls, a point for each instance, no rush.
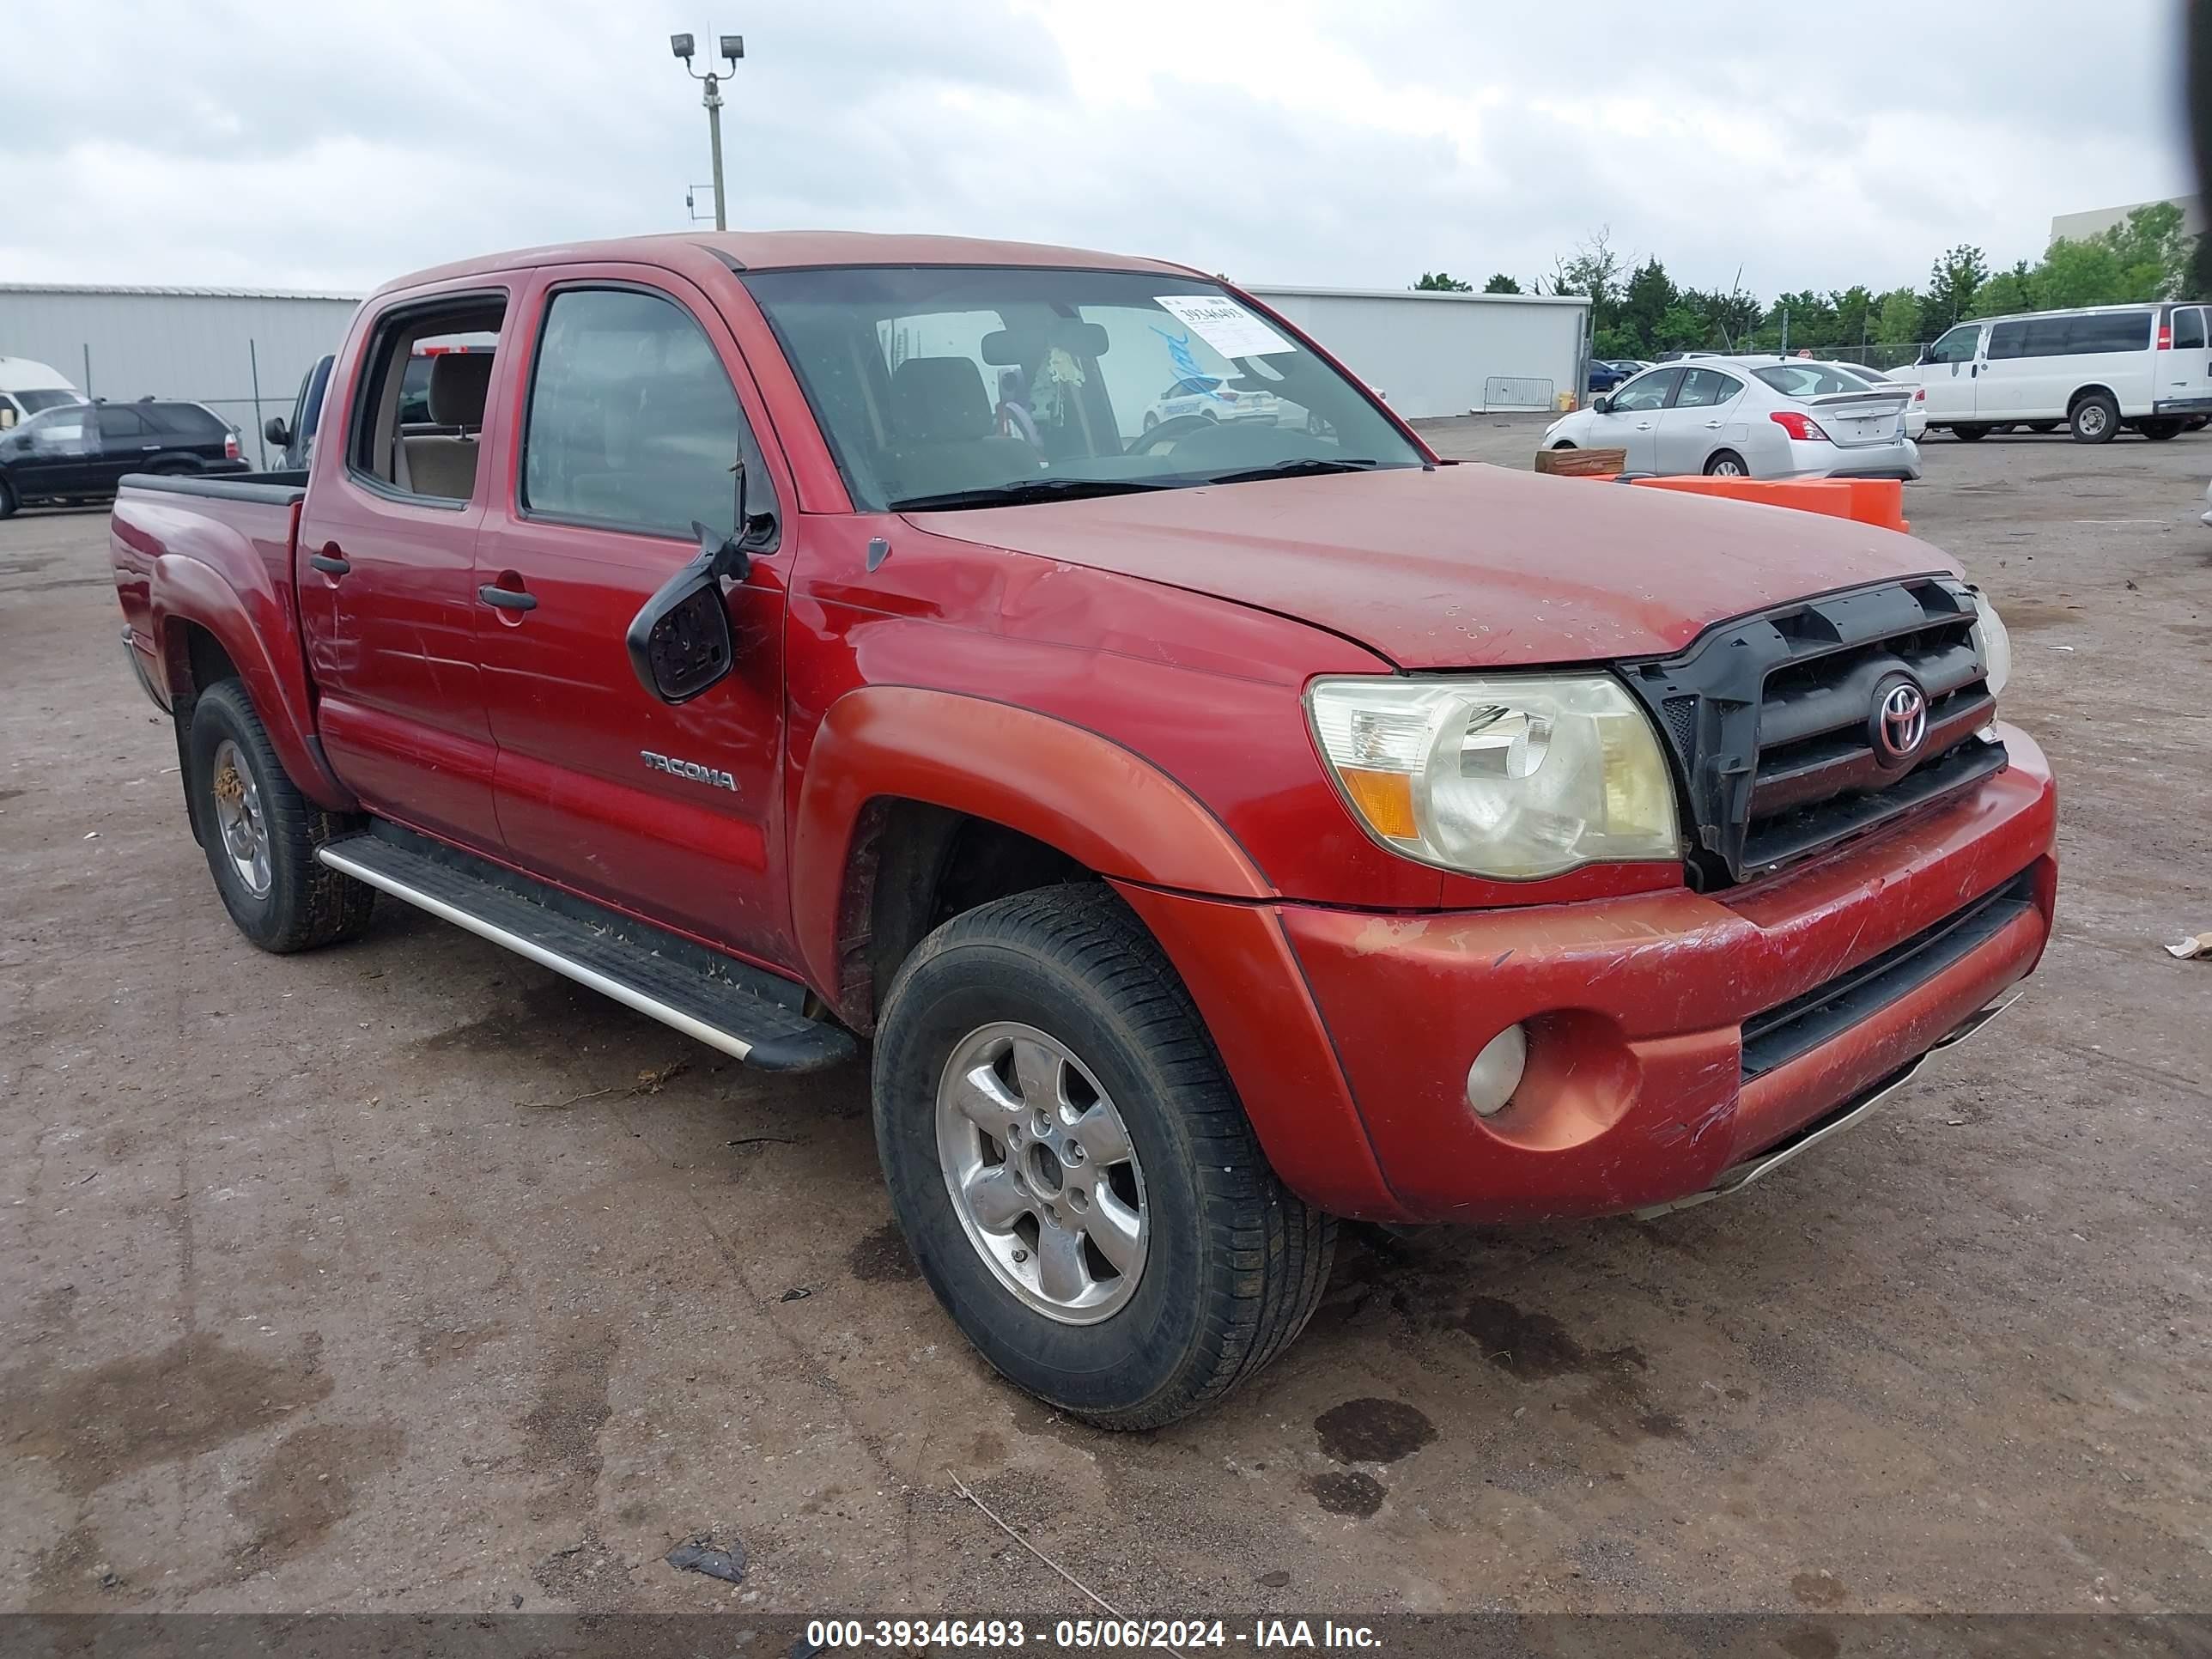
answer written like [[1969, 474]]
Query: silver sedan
[[1734, 417]]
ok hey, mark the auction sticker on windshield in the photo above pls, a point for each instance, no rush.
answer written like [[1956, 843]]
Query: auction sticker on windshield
[[1223, 325]]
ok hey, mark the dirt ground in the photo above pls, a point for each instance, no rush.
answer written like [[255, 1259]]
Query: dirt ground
[[405, 1276]]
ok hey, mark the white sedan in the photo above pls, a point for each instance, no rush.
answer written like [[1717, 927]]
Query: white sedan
[[1207, 398], [1732, 417]]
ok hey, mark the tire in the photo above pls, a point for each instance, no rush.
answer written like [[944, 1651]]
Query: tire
[[1151, 419], [303, 903], [2159, 431], [2044, 426], [1970, 434], [1229, 1264], [2095, 418], [7, 502], [1726, 463]]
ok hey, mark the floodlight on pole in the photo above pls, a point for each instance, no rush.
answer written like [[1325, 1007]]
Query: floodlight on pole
[[731, 48]]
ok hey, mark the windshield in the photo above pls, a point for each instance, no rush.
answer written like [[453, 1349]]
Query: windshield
[[956, 387], [53, 397]]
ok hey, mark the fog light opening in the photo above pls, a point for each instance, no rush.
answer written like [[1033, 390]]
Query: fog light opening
[[1496, 1071]]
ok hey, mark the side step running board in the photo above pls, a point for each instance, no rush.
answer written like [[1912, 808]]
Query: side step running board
[[725, 1004]]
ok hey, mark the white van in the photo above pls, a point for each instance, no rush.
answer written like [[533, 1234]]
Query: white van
[[2146, 368], [27, 387]]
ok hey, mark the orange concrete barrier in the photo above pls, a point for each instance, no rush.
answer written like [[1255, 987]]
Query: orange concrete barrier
[[1879, 501]]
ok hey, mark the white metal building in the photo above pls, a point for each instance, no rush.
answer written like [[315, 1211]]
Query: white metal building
[[1449, 354], [240, 352]]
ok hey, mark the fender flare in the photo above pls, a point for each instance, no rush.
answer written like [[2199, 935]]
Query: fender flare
[[187, 590], [1057, 782]]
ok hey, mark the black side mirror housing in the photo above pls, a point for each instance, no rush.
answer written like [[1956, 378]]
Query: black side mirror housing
[[278, 433], [680, 643], [1601, 406]]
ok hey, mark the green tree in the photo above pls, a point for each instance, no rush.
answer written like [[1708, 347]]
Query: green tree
[[2080, 274], [1854, 309], [2155, 256], [1952, 281], [1898, 323], [1442, 281], [1684, 328], [2006, 292], [1651, 293], [1501, 283]]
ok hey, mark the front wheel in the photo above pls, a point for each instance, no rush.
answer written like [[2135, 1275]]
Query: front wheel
[[1072, 1168], [1726, 464], [7, 502], [2095, 419], [261, 833], [2044, 426]]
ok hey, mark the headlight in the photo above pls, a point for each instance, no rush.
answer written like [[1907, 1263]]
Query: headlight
[[1512, 777], [1991, 643]]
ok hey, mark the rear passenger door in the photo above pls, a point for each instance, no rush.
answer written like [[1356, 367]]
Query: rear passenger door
[[1706, 415], [635, 406], [126, 440]]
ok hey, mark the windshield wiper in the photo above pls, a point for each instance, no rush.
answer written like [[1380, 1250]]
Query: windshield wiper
[[1303, 466], [1019, 490]]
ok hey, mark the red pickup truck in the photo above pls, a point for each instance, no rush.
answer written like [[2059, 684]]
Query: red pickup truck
[[1216, 826]]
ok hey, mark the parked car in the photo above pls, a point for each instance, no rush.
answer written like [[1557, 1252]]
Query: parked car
[[1726, 417], [1197, 879], [1210, 398], [1801, 378], [80, 452], [1604, 374], [2146, 368], [296, 439], [27, 387]]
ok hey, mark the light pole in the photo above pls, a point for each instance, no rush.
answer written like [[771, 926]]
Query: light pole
[[732, 48]]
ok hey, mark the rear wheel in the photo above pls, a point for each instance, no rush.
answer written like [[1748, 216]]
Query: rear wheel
[[2095, 418], [1072, 1168], [2159, 431], [261, 833], [1726, 464], [1970, 434], [7, 503], [2044, 426]]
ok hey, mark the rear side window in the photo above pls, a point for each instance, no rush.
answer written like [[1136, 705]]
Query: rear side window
[[183, 420], [1706, 388], [121, 423], [633, 422], [2120, 331], [2189, 329]]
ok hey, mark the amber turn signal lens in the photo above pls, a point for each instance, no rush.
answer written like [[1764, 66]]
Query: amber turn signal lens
[[1385, 799]]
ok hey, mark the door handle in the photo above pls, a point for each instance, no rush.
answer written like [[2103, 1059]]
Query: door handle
[[506, 599], [1643, 426], [147, 449], [1712, 426], [331, 561]]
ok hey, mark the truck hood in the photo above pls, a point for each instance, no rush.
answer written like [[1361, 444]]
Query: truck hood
[[1465, 567]]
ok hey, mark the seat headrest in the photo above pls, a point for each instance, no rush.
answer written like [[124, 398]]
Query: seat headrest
[[939, 400], [459, 380]]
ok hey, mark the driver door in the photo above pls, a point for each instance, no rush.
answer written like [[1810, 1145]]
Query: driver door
[[1952, 373], [1632, 418], [635, 403]]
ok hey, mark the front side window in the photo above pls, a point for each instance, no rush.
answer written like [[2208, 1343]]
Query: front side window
[[633, 421], [1957, 346], [960, 386], [1645, 392]]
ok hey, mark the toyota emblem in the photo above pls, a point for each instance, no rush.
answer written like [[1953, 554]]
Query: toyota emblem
[[1900, 720]]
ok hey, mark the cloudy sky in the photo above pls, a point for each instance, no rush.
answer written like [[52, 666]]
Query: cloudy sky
[[333, 143]]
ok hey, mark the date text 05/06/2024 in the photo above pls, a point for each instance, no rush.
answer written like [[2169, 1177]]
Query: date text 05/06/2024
[[827, 1635]]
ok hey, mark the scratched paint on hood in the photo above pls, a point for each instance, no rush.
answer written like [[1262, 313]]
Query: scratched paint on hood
[[1468, 566]]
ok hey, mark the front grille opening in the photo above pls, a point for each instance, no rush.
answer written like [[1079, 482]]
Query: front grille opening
[[1782, 1033]]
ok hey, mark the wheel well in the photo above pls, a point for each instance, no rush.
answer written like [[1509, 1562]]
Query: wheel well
[[201, 657], [2090, 390], [914, 867]]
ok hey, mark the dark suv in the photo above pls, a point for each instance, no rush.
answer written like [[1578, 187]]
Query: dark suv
[[79, 452]]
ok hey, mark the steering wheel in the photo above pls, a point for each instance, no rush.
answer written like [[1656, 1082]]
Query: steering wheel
[[1177, 426]]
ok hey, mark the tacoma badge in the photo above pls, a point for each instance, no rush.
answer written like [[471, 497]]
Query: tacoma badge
[[691, 769]]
